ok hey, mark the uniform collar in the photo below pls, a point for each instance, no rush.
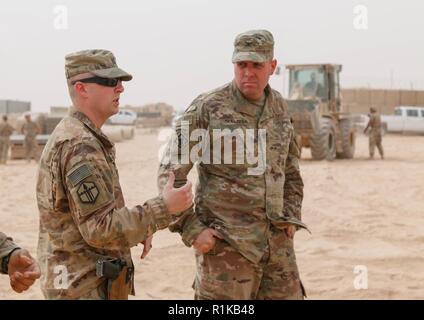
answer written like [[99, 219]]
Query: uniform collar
[[271, 108], [73, 112], [242, 105]]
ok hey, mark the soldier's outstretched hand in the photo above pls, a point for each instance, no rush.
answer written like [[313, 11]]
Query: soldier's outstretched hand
[[23, 270], [177, 199]]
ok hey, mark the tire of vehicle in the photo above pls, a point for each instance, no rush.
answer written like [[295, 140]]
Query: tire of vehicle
[[298, 139], [323, 143], [348, 139]]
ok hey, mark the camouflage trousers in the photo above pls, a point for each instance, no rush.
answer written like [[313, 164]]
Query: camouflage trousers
[[224, 274], [99, 293], [375, 139], [4, 149], [30, 145]]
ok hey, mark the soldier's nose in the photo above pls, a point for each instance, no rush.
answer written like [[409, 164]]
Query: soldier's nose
[[119, 87]]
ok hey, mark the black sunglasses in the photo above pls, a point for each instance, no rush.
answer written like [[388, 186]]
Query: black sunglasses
[[101, 81]]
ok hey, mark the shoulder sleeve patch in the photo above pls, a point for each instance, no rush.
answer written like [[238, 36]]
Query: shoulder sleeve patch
[[88, 190]]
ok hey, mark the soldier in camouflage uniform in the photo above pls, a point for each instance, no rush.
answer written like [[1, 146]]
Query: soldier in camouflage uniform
[[30, 130], [375, 137], [22, 269], [83, 217], [6, 131], [243, 223]]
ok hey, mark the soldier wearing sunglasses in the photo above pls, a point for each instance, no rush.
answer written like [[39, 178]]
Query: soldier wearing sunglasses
[[86, 231]]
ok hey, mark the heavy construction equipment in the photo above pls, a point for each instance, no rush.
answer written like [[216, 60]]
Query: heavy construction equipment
[[316, 109]]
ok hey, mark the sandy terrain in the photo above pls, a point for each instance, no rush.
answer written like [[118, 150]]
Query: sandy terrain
[[360, 212]]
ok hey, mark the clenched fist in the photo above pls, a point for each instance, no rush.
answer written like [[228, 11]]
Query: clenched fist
[[206, 240]]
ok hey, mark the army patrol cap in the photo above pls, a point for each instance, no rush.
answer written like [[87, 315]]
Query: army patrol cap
[[254, 45], [101, 63]]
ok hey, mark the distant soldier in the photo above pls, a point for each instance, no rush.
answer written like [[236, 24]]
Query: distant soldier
[[375, 138], [30, 130], [86, 231], [313, 88], [22, 269], [6, 131]]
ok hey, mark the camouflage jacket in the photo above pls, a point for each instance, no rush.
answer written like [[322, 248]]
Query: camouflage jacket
[[375, 123], [6, 130], [30, 130], [83, 216], [6, 247], [240, 205]]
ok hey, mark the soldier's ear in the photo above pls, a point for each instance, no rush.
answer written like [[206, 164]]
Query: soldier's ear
[[80, 89], [273, 65]]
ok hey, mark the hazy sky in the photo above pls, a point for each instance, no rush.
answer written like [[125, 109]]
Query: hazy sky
[[178, 49]]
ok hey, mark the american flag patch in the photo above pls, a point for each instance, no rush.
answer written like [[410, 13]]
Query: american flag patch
[[79, 174]]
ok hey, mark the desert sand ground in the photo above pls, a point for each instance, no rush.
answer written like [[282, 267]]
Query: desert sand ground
[[360, 212]]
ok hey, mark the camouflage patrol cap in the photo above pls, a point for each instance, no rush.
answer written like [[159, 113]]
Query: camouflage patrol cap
[[101, 63], [254, 45]]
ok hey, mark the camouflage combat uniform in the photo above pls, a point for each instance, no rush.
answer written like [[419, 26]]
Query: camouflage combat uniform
[[256, 259], [6, 131], [375, 137], [83, 217], [30, 130], [82, 210], [6, 247]]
